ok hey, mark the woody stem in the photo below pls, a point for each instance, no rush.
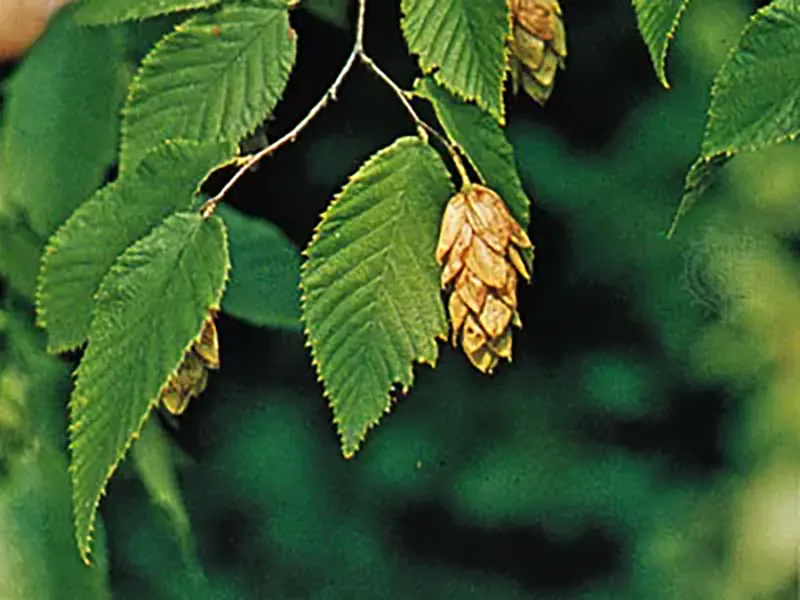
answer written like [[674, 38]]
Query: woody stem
[[357, 53]]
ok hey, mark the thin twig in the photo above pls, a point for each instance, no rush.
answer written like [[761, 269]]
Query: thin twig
[[210, 205], [422, 126], [454, 150], [401, 95], [357, 53], [359, 45]]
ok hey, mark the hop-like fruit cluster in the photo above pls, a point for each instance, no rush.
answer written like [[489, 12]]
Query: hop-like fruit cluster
[[538, 46], [191, 378], [479, 250]]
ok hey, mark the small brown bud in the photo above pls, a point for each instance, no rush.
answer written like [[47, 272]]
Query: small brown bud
[[538, 46], [478, 249]]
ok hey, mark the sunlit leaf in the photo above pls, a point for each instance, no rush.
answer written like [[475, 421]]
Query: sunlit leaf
[[216, 76], [463, 42], [80, 253], [484, 143], [371, 301], [150, 309], [755, 99]]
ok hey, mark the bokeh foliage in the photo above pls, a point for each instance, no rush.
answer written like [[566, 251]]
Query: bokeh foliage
[[643, 444]]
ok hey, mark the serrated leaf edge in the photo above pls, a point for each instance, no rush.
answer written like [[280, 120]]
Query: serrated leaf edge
[[50, 248], [309, 343], [419, 93], [691, 193], [84, 545], [433, 70], [730, 151], [688, 198], [135, 83], [167, 10], [661, 66]]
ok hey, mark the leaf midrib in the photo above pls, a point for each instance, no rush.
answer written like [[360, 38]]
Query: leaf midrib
[[221, 68]]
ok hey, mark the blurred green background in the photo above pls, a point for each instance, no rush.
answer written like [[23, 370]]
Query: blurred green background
[[644, 443]]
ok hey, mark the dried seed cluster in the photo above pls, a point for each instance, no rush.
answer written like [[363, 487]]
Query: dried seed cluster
[[538, 46], [192, 376], [479, 250]]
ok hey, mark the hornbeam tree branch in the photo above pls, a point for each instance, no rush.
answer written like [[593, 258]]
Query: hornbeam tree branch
[[357, 53]]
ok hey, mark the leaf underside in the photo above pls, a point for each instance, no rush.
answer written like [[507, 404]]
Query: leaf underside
[[484, 143], [463, 42], [217, 76], [150, 308], [80, 253], [755, 99], [105, 12], [658, 20], [371, 301], [264, 289]]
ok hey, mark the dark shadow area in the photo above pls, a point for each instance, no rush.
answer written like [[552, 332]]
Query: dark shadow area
[[526, 555]]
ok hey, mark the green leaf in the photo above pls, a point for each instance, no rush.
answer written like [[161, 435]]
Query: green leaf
[[700, 177], [103, 12], [61, 120], [154, 459], [150, 308], [37, 540], [371, 301], [755, 99], [20, 249], [658, 20], [80, 253], [265, 272], [216, 76], [464, 43], [484, 143], [333, 11]]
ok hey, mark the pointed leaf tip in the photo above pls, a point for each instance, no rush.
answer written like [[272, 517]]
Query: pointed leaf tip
[[463, 43], [658, 20], [371, 303], [150, 307]]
